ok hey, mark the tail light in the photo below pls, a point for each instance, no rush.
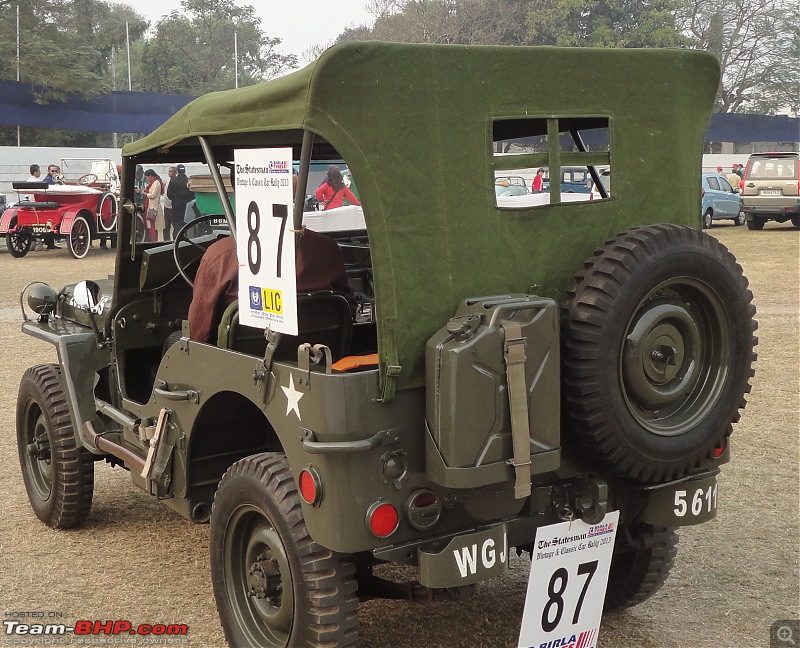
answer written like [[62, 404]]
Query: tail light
[[423, 509], [717, 452], [382, 519]]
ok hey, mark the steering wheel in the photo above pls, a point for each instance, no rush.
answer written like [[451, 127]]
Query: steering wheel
[[87, 179], [181, 236]]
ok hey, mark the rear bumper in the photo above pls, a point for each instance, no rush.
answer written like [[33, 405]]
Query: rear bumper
[[784, 209]]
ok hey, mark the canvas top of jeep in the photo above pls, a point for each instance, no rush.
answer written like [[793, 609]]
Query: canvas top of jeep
[[537, 360]]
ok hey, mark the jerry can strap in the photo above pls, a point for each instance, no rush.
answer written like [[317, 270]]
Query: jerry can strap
[[514, 355]]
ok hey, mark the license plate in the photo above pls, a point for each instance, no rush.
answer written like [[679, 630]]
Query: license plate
[[682, 504], [770, 192], [465, 559], [40, 228]]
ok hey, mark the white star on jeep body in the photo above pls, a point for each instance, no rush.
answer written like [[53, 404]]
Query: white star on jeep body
[[293, 397]]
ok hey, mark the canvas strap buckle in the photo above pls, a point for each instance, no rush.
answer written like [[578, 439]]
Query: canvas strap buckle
[[515, 358]]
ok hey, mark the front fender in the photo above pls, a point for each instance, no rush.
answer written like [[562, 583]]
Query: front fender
[[69, 217], [80, 360]]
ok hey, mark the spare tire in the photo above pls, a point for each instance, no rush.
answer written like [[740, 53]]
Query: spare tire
[[657, 352]]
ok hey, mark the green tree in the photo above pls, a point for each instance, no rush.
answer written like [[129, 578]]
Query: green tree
[[65, 45], [192, 51], [603, 23], [757, 43], [444, 21]]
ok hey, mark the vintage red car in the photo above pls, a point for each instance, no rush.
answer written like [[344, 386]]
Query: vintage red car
[[76, 213]]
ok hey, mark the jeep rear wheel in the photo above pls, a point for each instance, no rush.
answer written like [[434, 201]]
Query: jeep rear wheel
[[58, 474], [275, 586], [639, 571], [658, 348]]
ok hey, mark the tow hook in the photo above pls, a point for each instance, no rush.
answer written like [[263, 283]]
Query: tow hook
[[586, 499]]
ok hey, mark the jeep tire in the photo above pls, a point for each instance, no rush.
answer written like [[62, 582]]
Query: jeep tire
[[275, 586], [58, 474], [638, 571], [657, 352]]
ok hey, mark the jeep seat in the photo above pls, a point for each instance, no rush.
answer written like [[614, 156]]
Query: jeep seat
[[323, 317]]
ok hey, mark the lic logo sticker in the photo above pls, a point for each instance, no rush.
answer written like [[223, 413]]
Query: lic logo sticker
[[255, 298]]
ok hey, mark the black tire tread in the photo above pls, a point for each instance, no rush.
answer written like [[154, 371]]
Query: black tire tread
[[332, 598], [73, 465], [639, 573], [591, 298]]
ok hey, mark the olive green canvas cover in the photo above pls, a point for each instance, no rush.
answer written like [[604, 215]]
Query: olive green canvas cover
[[414, 123]]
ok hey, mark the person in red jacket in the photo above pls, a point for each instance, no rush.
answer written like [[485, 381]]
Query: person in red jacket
[[537, 186], [333, 191]]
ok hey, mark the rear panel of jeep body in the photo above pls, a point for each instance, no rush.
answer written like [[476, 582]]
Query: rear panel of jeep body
[[476, 426]]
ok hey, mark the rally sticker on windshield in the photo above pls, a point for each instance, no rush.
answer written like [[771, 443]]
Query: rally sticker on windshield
[[265, 240], [567, 584]]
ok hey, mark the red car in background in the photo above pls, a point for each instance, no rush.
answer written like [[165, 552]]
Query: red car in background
[[75, 213]]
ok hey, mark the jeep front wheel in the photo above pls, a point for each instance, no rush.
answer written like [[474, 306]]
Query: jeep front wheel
[[638, 571], [658, 351], [58, 474], [274, 586]]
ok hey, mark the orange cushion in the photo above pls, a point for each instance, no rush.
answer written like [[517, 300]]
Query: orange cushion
[[348, 363]]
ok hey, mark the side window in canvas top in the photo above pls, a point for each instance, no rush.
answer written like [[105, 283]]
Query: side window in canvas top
[[549, 161]]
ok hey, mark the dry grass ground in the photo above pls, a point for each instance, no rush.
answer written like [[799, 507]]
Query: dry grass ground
[[137, 560]]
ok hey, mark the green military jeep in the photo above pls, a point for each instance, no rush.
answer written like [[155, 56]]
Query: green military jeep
[[510, 362]]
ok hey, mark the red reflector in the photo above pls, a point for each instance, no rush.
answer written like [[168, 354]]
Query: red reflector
[[309, 488], [383, 520], [718, 452]]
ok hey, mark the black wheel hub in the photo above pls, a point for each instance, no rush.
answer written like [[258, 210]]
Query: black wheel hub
[[264, 580]]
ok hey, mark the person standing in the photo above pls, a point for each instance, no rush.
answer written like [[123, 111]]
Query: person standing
[[333, 192], [53, 177], [154, 213], [537, 186], [170, 227], [733, 178], [179, 194]]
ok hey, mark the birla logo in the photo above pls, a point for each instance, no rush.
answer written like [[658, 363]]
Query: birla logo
[[255, 298], [586, 639]]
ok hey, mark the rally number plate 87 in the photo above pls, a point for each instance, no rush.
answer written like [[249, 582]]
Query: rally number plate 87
[[682, 503]]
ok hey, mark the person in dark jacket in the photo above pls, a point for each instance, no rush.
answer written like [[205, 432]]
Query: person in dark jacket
[[178, 192]]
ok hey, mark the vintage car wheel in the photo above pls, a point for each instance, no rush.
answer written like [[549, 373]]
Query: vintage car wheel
[[107, 213], [639, 572], [18, 243], [58, 474], [274, 586], [80, 237], [707, 219], [658, 351]]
